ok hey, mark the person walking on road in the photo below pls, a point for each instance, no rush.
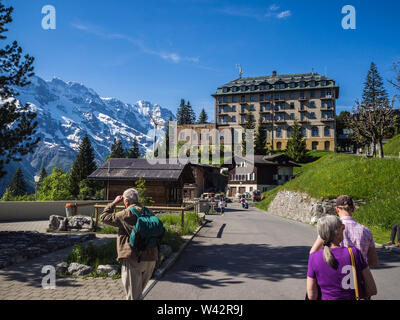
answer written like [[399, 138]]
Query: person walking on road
[[341, 273], [355, 234], [134, 274], [395, 229], [221, 205]]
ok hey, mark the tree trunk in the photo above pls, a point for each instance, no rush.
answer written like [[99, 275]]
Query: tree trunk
[[380, 146]]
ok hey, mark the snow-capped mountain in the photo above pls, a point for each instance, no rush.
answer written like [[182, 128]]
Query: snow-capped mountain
[[68, 110]]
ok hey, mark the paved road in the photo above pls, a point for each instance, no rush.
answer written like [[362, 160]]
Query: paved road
[[247, 254]]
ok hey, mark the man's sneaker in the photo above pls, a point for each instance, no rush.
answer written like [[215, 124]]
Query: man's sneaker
[[390, 243]]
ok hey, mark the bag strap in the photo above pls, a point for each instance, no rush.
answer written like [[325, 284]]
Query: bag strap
[[353, 264]]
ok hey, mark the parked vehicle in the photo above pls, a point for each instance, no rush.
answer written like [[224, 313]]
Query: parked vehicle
[[256, 195]]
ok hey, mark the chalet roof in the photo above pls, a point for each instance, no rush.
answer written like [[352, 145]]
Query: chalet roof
[[133, 169], [281, 160]]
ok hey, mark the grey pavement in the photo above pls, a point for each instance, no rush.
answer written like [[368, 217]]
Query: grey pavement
[[34, 225], [247, 254]]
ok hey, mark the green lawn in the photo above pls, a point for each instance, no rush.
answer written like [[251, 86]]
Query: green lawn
[[392, 148], [375, 180]]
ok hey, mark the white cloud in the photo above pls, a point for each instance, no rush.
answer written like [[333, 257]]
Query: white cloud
[[274, 7], [169, 56], [284, 14]]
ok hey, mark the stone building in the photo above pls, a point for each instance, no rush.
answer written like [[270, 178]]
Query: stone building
[[278, 100]]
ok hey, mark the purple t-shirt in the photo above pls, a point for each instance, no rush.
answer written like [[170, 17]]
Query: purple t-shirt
[[337, 284]]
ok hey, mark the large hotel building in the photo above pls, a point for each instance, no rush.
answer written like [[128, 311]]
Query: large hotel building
[[278, 100]]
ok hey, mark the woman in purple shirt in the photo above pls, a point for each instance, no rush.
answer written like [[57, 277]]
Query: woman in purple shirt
[[331, 268]]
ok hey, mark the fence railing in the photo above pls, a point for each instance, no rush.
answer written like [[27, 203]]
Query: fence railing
[[72, 209]]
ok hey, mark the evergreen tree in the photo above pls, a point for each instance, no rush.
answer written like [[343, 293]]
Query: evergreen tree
[[190, 115], [249, 125], [140, 186], [260, 140], [374, 91], [203, 117], [43, 174], [17, 125], [117, 149], [296, 146], [180, 115], [134, 151], [83, 166], [17, 186]]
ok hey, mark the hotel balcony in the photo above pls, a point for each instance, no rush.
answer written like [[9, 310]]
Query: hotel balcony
[[303, 98], [327, 97], [325, 119]]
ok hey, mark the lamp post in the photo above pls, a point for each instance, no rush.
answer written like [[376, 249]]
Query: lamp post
[[37, 179]]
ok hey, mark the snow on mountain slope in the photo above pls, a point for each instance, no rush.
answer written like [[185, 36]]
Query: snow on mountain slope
[[68, 110]]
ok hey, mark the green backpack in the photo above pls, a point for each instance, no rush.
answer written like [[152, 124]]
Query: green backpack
[[147, 233]]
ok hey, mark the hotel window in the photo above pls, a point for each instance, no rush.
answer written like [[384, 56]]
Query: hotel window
[[283, 106], [243, 108], [323, 83], [219, 99], [276, 96], [302, 84], [234, 98], [312, 94], [282, 86], [225, 89], [277, 86], [220, 110], [278, 132], [329, 103], [220, 119], [261, 97], [252, 108], [234, 89], [329, 93], [302, 105], [276, 108], [242, 99], [312, 104], [292, 95], [302, 95], [243, 88], [292, 85], [225, 99], [327, 131], [252, 97], [233, 118], [268, 106], [327, 83], [314, 131], [261, 87], [243, 119], [289, 132], [267, 96], [261, 107], [312, 115], [303, 132], [226, 109], [233, 108], [292, 105], [302, 117], [323, 94], [282, 96], [291, 116], [312, 83]]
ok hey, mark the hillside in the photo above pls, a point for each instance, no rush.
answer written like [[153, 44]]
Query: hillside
[[392, 148], [377, 181]]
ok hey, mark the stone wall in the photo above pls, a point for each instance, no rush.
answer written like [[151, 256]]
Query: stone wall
[[301, 207]]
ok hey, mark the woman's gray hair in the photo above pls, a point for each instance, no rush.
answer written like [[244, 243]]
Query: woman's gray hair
[[131, 195], [327, 227]]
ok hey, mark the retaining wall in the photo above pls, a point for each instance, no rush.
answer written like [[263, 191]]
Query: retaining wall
[[38, 210]]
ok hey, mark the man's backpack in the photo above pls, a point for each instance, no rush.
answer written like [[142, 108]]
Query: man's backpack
[[147, 233]]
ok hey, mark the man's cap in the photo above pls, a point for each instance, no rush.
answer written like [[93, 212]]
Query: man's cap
[[344, 200]]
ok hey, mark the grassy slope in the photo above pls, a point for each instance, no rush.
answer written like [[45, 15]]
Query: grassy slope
[[375, 180], [392, 147]]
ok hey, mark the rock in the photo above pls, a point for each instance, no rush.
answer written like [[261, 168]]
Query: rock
[[58, 223], [108, 269], [78, 269], [79, 222], [62, 267]]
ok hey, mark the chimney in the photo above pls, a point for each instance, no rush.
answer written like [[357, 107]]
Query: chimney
[[274, 73]]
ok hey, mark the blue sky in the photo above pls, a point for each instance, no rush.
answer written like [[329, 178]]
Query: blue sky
[[162, 51]]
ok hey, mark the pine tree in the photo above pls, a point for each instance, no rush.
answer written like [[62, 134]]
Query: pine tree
[[134, 151], [180, 114], [296, 146], [17, 186], [203, 117], [190, 115], [117, 150], [260, 140], [17, 126], [83, 166], [374, 91], [249, 125]]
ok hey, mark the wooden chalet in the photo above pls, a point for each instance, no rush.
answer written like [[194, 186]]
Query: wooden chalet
[[164, 182]]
